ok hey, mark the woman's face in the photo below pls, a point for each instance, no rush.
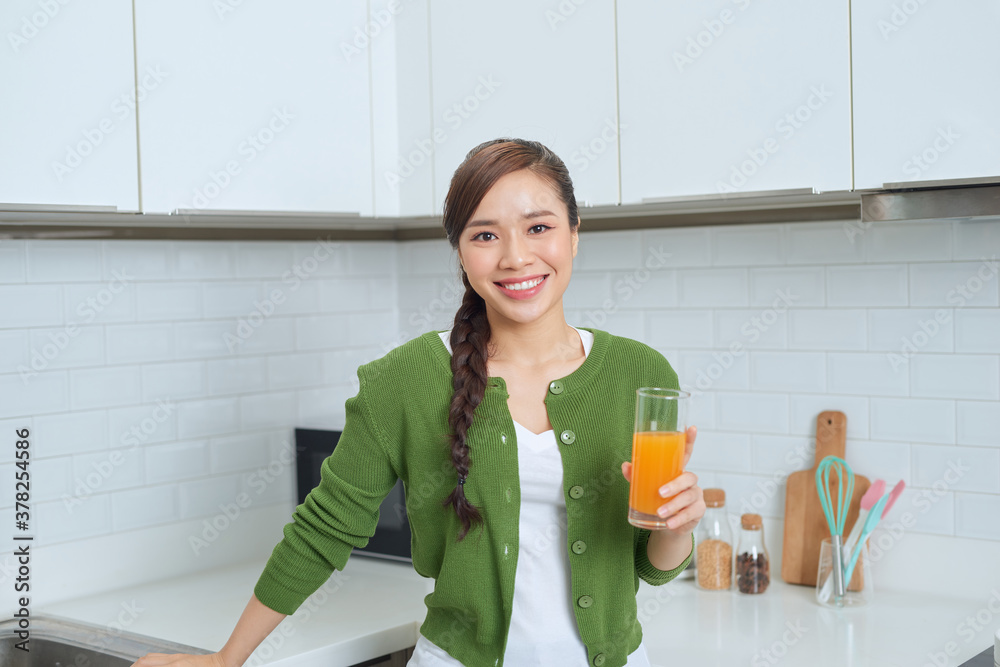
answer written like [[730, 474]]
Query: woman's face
[[518, 249]]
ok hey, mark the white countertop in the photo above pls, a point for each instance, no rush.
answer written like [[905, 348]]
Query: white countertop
[[375, 607]]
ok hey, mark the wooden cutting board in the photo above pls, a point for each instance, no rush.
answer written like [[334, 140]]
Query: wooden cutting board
[[805, 523]]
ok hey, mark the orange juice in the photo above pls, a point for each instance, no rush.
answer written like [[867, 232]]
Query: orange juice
[[657, 458]]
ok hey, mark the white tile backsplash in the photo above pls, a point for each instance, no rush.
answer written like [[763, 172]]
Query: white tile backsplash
[[756, 413], [804, 286], [160, 301], [194, 326], [236, 376], [679, 247], [866, 373], [31, 306], [977, 330], [979, 423], [953, 284], [913, 419], [707, 288], [139, 343], [909, 241], [105, 387], [11, 262], [824, 243], [866, 286], [747, 245], [961, 468], [834, 329], [911, 330], [791, 372], [609, 251], [955, 376], [63, 261]]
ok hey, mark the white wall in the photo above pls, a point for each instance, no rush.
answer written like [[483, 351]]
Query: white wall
[[152, 409], [856, 293]]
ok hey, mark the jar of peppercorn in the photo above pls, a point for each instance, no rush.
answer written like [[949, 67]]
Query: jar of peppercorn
[[714, 562], [753, 570]]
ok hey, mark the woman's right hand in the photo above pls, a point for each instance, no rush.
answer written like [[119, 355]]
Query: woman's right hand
[[180, 660]]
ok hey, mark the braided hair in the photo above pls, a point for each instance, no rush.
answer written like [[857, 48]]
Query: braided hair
[[483, 166]]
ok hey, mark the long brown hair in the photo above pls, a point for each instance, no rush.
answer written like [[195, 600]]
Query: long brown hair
[[483, 166]]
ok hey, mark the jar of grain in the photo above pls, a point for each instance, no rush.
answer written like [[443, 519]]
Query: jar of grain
[[714, 544]]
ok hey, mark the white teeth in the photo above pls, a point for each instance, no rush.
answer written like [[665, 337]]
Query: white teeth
[[527, 284]]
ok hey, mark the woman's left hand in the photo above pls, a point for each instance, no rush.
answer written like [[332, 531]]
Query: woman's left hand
[[688, 507]]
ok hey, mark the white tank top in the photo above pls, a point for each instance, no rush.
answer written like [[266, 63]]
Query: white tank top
[[542, 624]]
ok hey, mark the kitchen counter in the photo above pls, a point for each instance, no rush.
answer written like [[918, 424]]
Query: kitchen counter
[[375, 607]]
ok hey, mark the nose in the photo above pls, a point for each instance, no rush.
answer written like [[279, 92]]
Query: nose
[[516, 253]]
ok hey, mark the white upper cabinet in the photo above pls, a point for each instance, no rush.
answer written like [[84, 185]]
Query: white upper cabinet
[[733, 96], [261, 106], [926, 100], [401, 91], [542, 71], [67, 116]]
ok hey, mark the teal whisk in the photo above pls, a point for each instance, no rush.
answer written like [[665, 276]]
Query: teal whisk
[[836, 515]]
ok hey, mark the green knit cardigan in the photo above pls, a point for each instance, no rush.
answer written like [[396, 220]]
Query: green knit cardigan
[[396, 427]]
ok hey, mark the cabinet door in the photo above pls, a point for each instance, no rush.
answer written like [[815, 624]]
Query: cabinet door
[[261, 106], [67, 119], [733, 96], [542, 71], [926, 100], [401, 91]]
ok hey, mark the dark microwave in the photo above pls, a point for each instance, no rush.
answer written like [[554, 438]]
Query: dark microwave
[[392, 534]]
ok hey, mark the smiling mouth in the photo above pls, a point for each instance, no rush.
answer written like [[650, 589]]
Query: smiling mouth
[[523, 285]]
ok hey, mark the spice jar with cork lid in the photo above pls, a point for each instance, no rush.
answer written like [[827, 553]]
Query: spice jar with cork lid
[[753, 571], [714, 540]]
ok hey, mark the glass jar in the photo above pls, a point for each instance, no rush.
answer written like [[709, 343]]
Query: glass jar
[[753, 569], [714, 545]]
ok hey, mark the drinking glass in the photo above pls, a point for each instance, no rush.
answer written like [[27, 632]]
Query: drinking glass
[[657, 451]]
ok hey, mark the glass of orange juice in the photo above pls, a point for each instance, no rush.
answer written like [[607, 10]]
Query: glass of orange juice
[[657, 451]]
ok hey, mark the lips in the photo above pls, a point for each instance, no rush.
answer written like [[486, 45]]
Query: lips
[[523, 287]]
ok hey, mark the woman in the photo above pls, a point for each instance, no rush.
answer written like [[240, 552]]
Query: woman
[[520, 425]]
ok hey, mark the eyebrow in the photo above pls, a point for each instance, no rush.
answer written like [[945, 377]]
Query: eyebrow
[[530, 215]]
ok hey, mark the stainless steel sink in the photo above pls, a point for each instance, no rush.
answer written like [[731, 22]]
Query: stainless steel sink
[[63, 642]]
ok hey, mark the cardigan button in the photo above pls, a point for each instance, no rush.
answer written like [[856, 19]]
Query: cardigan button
[[599, 660], [585, 601], [556, 387], [568, 437], [579, 547], [576, 492]]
